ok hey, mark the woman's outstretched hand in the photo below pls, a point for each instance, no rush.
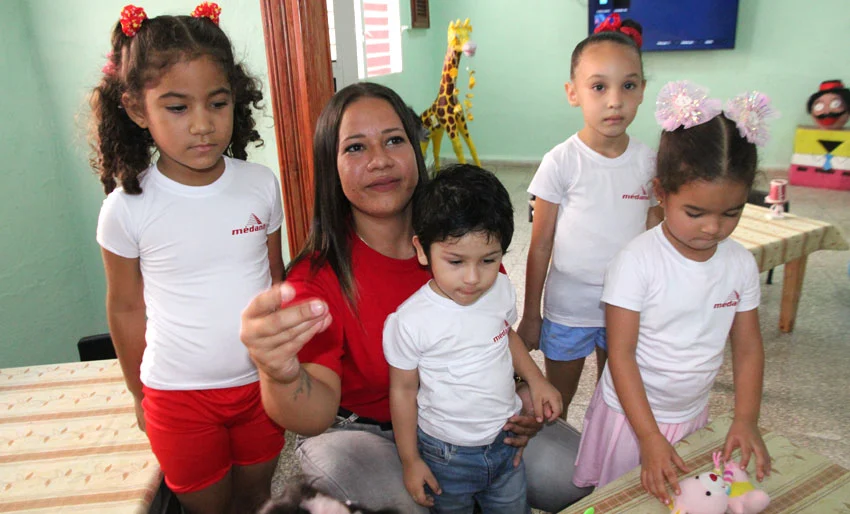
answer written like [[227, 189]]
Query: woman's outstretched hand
[[274, 330]]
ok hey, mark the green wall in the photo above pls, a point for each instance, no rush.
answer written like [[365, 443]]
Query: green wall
[[784, 48], [51, 279], [422, 57], [45, 299]]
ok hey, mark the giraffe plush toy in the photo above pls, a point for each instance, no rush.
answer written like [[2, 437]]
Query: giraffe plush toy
[[447, 113]]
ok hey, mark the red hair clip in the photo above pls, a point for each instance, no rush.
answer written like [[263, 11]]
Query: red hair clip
[[634, 34], [131, 19], [613, 24], [209, 10]]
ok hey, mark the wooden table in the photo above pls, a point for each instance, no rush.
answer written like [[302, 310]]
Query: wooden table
[[70, 442], [787, 241], [801, 481]]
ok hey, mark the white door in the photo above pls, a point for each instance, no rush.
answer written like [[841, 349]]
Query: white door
[[344, 23]]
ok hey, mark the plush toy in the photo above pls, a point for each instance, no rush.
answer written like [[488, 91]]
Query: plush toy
[[743, 497], [705, 493], [829, 106], [725, 489]]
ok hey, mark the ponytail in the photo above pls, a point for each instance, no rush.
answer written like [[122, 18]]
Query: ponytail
[[122, 148]]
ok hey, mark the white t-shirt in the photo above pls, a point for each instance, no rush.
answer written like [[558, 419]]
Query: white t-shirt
[[602, 205], [466, 386], [686, 311], [203, 255]]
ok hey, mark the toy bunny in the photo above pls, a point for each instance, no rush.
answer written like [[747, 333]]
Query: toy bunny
[[705, 493], [743, 497]]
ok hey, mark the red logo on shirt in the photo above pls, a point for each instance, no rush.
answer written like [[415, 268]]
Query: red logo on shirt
[[731, 301], [503, 333], [642, 195], [253, 225]]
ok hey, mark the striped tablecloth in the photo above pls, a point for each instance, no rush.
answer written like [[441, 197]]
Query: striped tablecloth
[[779, 241], [70, 442], [801, 481]]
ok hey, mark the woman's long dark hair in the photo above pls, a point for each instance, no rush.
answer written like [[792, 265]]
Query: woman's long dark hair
[[122, 149], [329, 240]]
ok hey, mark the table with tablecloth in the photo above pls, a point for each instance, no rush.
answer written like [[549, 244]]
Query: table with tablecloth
[[801, 481], [788, 240], [70, 442]]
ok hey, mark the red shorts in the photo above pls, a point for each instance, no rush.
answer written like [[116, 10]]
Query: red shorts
[[197, 436]]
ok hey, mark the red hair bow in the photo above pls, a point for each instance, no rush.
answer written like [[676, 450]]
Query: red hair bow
[[634, 34], [131, 19], [613, 24], [209, 10]]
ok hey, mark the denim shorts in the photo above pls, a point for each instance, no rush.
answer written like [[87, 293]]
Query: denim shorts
[[469, 474], [563, 343]]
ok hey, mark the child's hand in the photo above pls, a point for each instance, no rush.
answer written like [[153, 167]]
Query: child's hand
[[746, 436], [529, 332], [548, 403], [140, 414], [416, 475], [659, 461]]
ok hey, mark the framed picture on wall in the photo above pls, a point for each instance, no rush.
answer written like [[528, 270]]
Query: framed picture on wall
[[419, 17]]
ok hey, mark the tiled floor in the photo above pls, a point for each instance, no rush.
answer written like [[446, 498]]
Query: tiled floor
[[807, 375]]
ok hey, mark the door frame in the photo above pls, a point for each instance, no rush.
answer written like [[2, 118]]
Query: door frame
[[301, 83]]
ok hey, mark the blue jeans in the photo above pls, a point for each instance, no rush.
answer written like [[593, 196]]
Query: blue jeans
[[470, 474]]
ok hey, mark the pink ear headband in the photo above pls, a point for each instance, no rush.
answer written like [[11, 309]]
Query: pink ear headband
[[684, 104]]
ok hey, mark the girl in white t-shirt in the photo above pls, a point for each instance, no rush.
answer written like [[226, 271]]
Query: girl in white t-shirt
[[675, 293], [187, 241], [592, 197]]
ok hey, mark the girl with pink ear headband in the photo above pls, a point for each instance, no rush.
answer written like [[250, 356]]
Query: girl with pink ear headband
[[676, 293]]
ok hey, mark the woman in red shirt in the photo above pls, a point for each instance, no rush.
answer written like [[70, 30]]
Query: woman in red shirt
[[317, 338]]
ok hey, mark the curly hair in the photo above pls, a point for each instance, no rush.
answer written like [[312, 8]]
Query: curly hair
[[122, 150]]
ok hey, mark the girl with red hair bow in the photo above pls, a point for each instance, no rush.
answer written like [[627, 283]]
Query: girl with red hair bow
[[181, 260], [592, 196]]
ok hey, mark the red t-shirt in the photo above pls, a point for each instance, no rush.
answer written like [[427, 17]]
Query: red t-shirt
[[353, 344]]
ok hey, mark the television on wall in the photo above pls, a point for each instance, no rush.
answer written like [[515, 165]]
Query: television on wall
[[674, 24]]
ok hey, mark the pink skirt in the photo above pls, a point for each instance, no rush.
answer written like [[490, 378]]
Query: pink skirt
[[609, 447]]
